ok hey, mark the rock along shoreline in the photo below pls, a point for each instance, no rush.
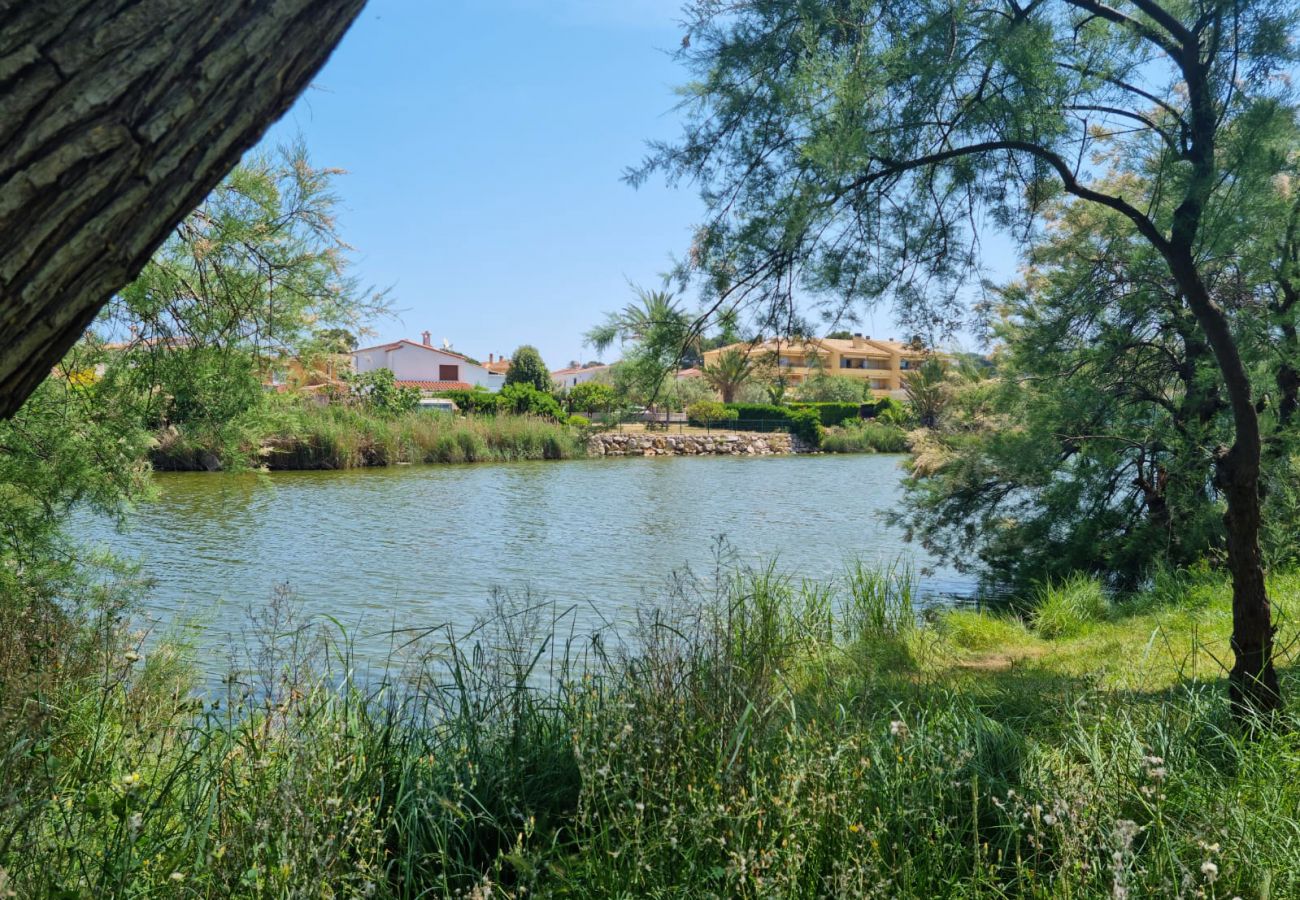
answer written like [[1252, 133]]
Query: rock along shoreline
[[613, 443]]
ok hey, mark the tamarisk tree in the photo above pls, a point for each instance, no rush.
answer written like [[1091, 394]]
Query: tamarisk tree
[[852, 148], [116, 118]]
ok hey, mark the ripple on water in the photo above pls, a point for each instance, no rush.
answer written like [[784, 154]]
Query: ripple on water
[[417, 546]]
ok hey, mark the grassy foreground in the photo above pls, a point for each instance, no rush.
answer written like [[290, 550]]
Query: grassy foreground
[[333, 436], [764, 738]]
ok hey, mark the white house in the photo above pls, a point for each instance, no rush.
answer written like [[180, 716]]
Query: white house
[[567, 378], [426, 367]]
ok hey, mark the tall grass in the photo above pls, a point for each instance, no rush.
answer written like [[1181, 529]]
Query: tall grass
[[341, 437], [753, 736], [864, 437]]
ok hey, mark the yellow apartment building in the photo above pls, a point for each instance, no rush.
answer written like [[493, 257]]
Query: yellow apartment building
[[883, 363]]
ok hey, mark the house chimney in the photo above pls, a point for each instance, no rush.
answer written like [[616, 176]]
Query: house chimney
[[858, 340], [492, 357], [427, 338]]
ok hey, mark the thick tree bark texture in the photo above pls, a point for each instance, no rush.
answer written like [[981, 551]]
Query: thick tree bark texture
[[116, 118]]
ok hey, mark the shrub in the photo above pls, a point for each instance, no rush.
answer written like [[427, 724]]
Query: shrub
[[761, 416], [1065, 608], [477, 402], [709, 412], [524, 399], [579, 421], [806, 424], [835, 413]]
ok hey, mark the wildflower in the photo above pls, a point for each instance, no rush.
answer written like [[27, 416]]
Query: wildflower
[[899, 729], [177, 876], [1210, 871], [135, 822], [131, 782]]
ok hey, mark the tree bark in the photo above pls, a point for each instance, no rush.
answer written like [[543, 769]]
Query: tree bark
[[1253, 689], [116, 118]]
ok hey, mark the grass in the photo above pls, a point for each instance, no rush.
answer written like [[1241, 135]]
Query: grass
[[309, 436], [865, 437], [753, 736]]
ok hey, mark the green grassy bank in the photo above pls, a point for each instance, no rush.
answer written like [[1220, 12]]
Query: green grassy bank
[[765, 738]]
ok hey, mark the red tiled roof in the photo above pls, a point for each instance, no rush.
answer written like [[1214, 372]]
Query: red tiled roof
[[500, 366], [395, 344], [692, 372], [437, 385]]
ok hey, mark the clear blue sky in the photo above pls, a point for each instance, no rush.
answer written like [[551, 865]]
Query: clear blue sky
[[484, 144]]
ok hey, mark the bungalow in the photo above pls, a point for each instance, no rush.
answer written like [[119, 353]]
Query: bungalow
[[426, 367]]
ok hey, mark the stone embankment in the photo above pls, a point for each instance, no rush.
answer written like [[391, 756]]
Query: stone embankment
[[614, 443]]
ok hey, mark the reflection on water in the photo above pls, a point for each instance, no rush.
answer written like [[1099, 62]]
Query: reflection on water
[[418, 546]]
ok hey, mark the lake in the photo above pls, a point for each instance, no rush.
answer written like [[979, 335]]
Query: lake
[[420, 546]]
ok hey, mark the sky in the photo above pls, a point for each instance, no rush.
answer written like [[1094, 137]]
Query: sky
[[484, 145]]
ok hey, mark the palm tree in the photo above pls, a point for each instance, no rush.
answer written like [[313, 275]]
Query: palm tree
[[927, 389], [733, 370], [655, 318], [661, 332]]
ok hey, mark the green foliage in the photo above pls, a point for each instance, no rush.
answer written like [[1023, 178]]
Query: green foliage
[[521, 398], [883, 756], [825, 387], [1067, 607], [476, 402], [657, 334], [69, 446], [889, 411], [731, 371], [761, 416], [806, 424], [576, 421], [834, 412], [871, 436], [706, 413], [592, 396], [378, 391], [527, 368], [928, 391]]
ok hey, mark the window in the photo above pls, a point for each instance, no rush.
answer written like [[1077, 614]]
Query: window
[[449, 373]]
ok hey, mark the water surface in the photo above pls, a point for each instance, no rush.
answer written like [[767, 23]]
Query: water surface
[[419, 546]]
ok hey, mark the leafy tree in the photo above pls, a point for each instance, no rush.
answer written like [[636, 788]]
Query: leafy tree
[[823, 387], [526, 367], [733, 369], [590, 396], [841, 145], [255, 276], [660, 334], [379, 391], [710, 412]]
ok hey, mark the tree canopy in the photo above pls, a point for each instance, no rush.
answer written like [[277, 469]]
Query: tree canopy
[[845, 149]]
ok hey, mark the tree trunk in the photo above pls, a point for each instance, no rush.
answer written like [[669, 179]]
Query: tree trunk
[[1252, 682], [116, 118]]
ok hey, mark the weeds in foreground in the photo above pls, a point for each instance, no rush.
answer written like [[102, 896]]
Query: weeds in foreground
[[753, 736]]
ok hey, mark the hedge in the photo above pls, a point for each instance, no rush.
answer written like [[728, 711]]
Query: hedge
[[832, 413]]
